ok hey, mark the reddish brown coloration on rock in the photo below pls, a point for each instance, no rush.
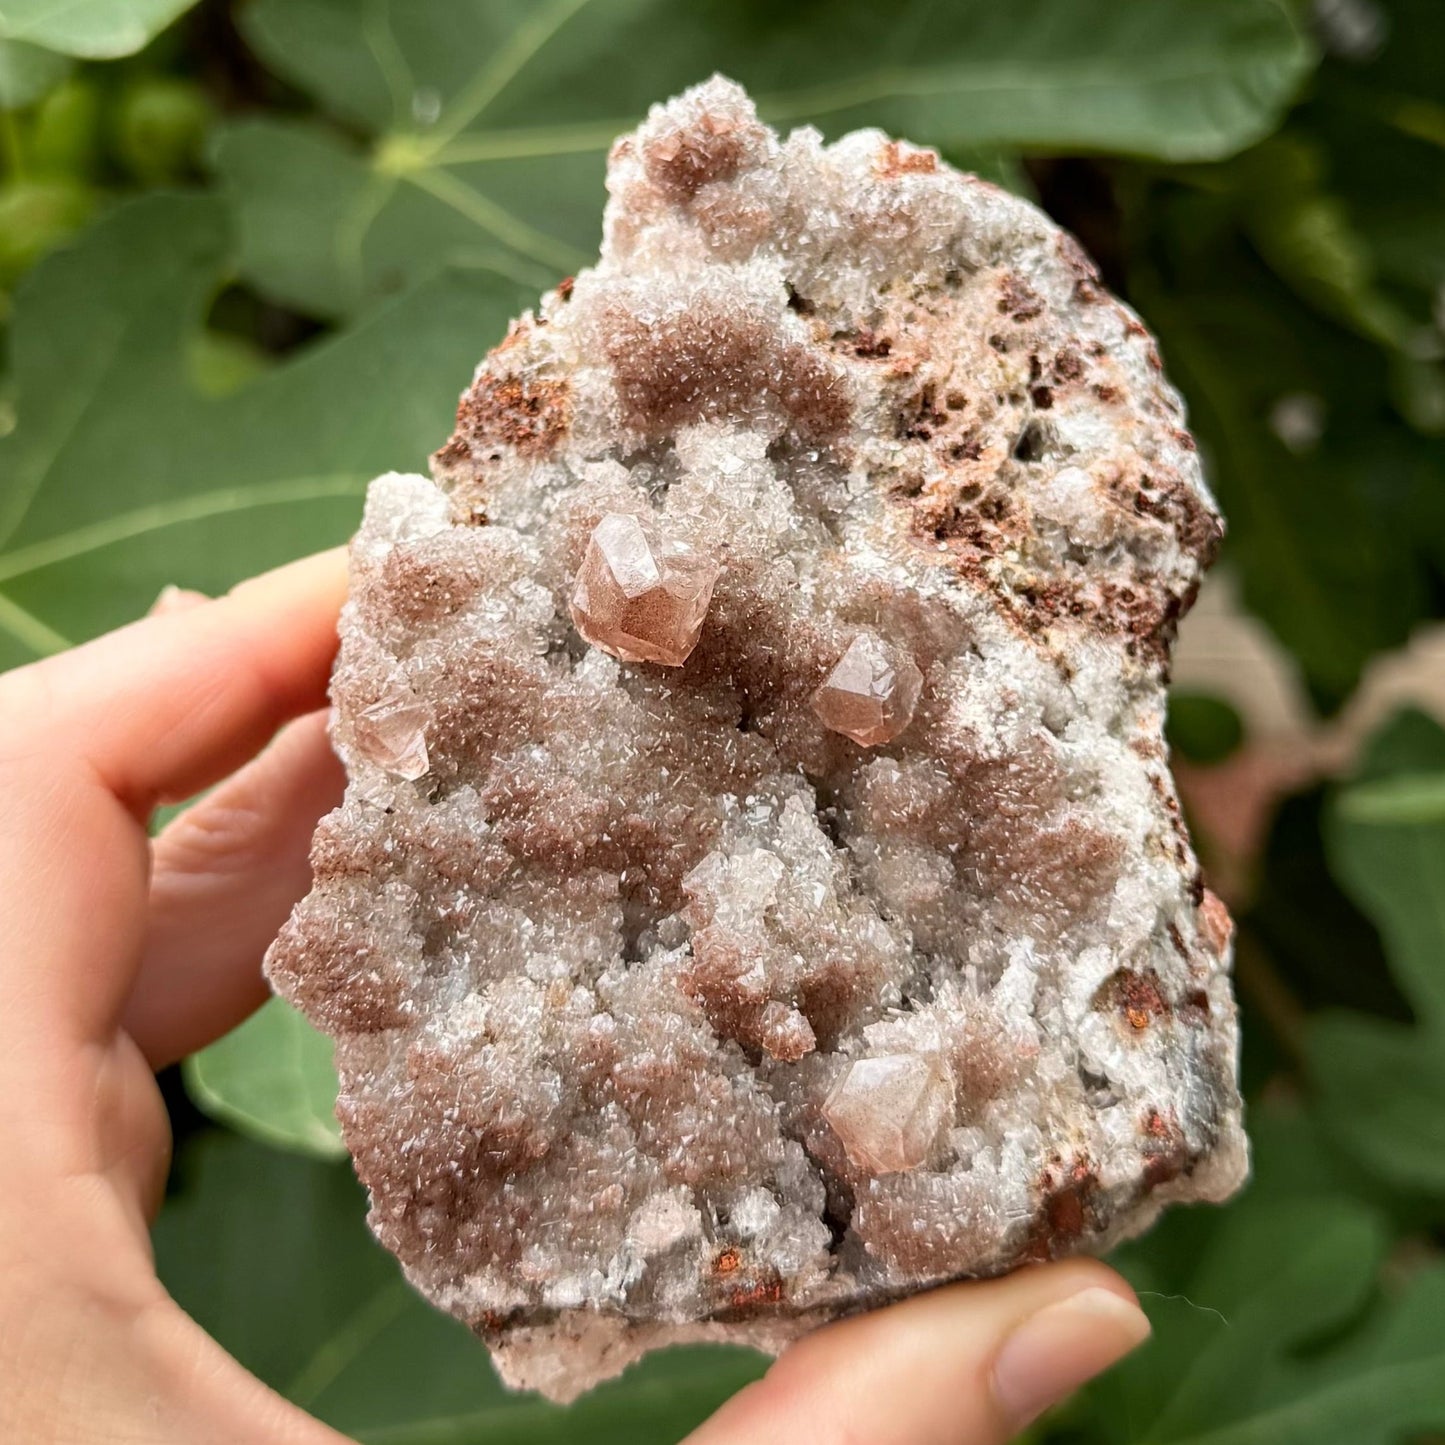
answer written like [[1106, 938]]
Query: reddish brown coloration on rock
[[527, 416], [765, 1292], [872, 346], [1165, 1149], [1138, 997], [1081, 265], [1169, 499], [427, 580], [344, 973], [1070, 1199], [1214, 922], [1194, 1008], [680, 163], [895, 159], [1017, 299], [1068, 367], [709, 361]]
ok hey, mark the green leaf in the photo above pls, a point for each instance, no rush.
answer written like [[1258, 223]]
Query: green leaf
[[65, 137], [1338, 524], [1410, 798], [273, 1079], [122, 475], [1382, 1391], [1384, 126], [487, 125], [1271, 1329], [159, 128], [1382, 1084], [1382, 1088], [1307, 932], [1305, 233], [1395, 868], [95, 29], [1279, 1275], [28, 72], [36, 216], [270, 1253]]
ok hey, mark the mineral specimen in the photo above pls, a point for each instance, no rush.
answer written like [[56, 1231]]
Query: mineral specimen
[[761, 892]]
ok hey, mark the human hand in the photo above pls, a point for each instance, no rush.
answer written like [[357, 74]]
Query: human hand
[[118, 956]]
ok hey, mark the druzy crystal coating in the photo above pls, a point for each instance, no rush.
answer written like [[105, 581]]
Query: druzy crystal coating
[[663, 1009], [640, 597], [871, 692]]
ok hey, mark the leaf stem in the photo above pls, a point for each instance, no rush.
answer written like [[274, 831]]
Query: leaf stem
[[173, 513], [526, 41]]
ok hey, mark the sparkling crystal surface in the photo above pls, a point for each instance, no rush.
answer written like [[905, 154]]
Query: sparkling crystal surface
[[640, 597], [663, 1010], [871, 692]]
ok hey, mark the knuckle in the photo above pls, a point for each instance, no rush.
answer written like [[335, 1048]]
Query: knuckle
[[226, 832]]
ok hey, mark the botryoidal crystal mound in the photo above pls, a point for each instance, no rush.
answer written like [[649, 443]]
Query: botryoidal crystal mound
[[761, 892]]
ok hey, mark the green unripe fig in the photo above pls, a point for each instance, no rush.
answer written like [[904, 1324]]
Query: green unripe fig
[[36, 216], [65, 136], [160, 125]]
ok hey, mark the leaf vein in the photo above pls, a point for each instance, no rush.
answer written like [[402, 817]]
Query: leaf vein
[[29, 630], [128, 525], [511, 230], [526, 42]]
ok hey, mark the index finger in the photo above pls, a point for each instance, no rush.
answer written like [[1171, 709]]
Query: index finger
[[166, 706], [92, 739]]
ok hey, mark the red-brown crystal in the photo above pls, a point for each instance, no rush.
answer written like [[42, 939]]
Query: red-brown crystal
[[871, 693], [639, 596]]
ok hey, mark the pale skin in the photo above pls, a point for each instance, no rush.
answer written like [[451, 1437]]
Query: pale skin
[[120, 955]]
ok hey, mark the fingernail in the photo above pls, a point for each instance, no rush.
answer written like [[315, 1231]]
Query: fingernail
[[176, 599], [1054, 1351]]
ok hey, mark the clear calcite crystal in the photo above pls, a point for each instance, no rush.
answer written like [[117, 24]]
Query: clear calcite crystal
[[888, 1111], [663, 1010], [871, 692], [392, 734], [640, 597]]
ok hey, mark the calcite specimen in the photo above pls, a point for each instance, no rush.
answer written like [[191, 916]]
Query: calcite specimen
[[761, 892]]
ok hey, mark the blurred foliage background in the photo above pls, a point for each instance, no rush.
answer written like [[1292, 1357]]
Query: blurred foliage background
[[249, 254]]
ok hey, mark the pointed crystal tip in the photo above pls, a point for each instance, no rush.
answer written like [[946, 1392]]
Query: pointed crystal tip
[[871, 693], [640, 596], [888, 1110], [392, 734]]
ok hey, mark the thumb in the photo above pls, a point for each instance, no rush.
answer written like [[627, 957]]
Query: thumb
[[970, 1364]]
